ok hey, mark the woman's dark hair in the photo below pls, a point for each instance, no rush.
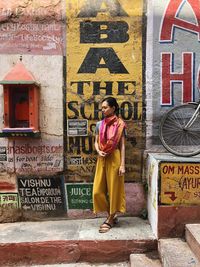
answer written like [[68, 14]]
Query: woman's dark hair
[[112, 102]]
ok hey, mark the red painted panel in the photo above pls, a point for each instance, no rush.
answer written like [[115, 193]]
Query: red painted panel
[[172, 220], [5, 186], [19, 73]]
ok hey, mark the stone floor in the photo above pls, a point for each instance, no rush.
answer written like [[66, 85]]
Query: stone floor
[[129, 228], [72, 241]]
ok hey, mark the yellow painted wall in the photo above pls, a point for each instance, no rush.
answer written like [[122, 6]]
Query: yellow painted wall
[[122, 78]]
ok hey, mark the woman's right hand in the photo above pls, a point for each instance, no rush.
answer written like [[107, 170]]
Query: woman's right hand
[[101, 153]]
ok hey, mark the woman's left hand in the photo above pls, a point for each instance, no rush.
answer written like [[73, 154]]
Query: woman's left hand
[[121, 170]]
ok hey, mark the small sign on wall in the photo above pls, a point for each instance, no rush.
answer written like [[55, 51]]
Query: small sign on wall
[[9, 201], [3, 153], [79, 195], [75, 161], [77, 127], [180, 183], [43, 194]]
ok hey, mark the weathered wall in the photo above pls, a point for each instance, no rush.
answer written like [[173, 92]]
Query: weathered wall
[[104, 56], [33, 29], [172, 67]]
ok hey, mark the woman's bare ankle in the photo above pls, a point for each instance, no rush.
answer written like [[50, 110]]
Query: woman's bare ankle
[[111, 218]]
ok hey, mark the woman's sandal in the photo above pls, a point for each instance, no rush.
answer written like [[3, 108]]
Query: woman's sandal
[[105, 227], [115, 221]]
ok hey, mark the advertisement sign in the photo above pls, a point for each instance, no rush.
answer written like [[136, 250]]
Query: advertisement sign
[[9, 201], [79, 195], [41, 193], [180, 183], [77, 127], [3, 153]]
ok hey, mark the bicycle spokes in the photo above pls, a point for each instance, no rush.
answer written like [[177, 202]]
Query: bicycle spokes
[[180, 130]]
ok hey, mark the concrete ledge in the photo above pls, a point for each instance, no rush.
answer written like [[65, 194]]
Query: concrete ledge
[[52, 252], [49, 252], [145, 260], [175, 252], [192, 235], [173, 191], [73, 241]]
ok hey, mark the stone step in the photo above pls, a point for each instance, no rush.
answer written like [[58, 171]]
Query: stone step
[[70, 241], [85, 264], [192, 235], [145, 260], [175, 252]]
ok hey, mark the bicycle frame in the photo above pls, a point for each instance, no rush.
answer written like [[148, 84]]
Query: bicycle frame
[[194, 116]]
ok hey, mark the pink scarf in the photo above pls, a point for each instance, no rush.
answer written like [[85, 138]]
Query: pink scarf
[[110, 133]]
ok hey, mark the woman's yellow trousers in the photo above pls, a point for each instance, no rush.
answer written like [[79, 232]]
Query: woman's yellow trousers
[[108, 188]]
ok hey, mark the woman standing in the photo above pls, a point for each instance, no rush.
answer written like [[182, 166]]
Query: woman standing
[[108, 189]]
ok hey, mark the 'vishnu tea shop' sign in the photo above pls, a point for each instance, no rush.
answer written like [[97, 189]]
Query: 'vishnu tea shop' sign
[[41, 193]]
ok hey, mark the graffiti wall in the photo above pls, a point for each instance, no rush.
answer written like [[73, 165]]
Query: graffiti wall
[[172, 57], [104, 58]]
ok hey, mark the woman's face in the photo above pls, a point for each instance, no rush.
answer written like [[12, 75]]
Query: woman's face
[[107, 110]]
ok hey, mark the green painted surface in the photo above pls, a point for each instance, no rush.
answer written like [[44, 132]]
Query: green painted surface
[[20, 134], [19, 82], [9, 200], [79, 195]]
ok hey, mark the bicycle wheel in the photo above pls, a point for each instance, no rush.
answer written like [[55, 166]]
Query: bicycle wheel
[[176, 139]]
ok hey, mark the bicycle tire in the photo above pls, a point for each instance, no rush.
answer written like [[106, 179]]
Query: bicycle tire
[[174, 137]]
